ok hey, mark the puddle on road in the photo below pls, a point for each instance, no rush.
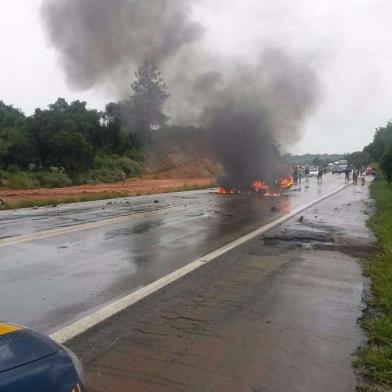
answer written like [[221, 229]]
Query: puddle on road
[[299, 236], [139, 228]]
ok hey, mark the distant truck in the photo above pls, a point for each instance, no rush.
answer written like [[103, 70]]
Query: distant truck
[[313, 171], [339, 167]]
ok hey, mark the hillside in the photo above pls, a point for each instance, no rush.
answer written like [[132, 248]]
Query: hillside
[[179, 152]]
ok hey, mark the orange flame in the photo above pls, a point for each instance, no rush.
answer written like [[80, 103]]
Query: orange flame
[[259, 186], [223, 191], [286, 183], [262, 187]]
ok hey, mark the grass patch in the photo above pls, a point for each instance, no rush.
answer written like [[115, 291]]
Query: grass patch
[[375, 358]]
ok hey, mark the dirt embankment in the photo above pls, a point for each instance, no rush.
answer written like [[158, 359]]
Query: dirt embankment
[[180, 153], [85, 192]]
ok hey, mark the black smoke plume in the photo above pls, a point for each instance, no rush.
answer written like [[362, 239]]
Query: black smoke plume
[[257, 108], [99, 40], [250, 108]]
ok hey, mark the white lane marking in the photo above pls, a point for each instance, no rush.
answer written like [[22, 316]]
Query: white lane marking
[[83, 226], [104, 313]]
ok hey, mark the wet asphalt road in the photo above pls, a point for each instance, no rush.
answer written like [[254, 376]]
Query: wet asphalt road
[[50, 281], [278, 313]]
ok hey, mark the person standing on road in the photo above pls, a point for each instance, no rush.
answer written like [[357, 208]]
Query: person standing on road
[[320, 175], [307, 172], [376, 175], [363, 177], [300, 174], [346, 175], [295, 175], [355, 176]]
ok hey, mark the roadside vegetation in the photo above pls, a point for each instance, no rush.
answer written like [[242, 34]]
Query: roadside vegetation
[[314, 159], [375, 359], [70, 144]]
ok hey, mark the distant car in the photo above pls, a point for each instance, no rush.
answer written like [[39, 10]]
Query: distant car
[[369, 171], [313, 171], [339, 169], [31, 362]]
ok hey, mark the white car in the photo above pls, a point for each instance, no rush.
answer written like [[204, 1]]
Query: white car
[[313, 171]]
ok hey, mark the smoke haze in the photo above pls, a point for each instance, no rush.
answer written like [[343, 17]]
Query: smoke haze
[[250, 107]]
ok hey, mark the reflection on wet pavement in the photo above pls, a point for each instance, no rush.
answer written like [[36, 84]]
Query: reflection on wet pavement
[[50, 282]]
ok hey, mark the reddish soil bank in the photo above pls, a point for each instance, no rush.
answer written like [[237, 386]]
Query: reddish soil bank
[[131, 187]]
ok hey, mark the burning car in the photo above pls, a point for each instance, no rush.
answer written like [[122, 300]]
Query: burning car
[[257, 187], [31, 362]]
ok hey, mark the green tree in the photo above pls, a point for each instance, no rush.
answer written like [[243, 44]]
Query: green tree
[[386, 164], [359, 158], [15, 145], [62, 117], [68, 135], [381, 142], [149, 97], [70, 150]]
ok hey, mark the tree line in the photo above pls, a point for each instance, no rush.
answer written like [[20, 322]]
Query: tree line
[[69, 143], [378, 151]]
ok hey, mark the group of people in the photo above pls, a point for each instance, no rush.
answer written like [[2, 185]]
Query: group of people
[[299, 172], [303, 171], [359, 173], [356, 174]]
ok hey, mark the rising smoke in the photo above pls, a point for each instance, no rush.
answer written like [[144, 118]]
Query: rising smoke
[[100, 40], [247, 108]]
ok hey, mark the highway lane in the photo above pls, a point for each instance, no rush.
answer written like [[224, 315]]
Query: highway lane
[[29, 220], [52, 280]]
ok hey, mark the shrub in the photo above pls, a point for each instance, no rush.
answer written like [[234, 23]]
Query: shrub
[[22, 181], [54, 180], [129, 166], [109, 168], [13, 168], [386, 165], [136, 155], [103, 175]]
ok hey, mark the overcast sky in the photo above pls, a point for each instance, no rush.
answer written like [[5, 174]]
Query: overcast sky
[[347, 41]]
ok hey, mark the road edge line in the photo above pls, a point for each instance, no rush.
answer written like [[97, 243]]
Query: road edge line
[[84, 324]]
